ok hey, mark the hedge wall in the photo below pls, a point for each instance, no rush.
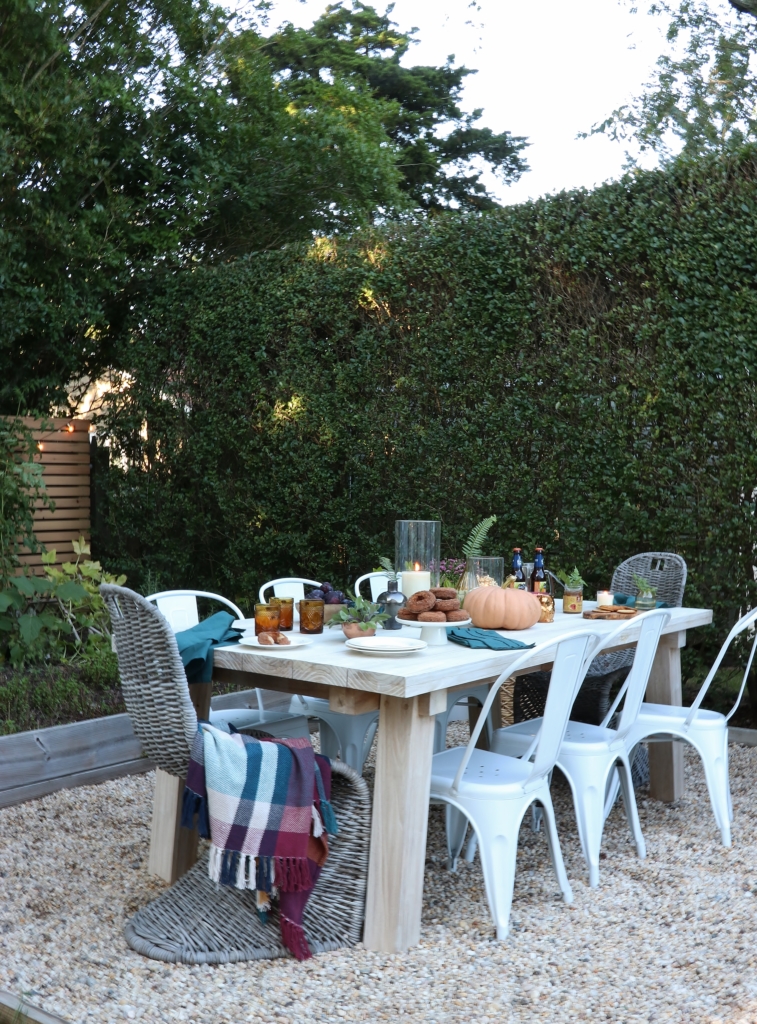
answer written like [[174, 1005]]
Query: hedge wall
[[583, 366]]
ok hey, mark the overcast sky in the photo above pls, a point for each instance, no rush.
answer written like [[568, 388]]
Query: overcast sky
[[546, 70]]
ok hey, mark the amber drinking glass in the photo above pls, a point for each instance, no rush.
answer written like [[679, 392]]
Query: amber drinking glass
[[286, 612], [266, 618], [311, 616]]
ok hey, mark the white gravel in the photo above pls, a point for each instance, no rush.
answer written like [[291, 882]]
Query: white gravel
[[671, 938]]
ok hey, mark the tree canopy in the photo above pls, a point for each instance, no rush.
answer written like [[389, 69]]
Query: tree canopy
[[702, 96], [138, 136]]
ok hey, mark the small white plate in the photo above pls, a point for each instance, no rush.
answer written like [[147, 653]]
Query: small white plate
[[295, 640], [386, 647]]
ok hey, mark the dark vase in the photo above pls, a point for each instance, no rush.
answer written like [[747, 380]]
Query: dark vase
[[391, 601]]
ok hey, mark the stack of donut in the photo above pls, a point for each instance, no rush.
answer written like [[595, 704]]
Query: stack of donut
[[439, 604]]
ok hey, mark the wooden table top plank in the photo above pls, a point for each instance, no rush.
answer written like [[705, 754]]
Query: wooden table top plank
[[328, 661]]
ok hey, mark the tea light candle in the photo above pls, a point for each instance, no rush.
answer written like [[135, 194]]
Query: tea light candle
[[413, 581], [605, 598]]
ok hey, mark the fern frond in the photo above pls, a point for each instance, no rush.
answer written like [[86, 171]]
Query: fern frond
[[388, 566], [477, 536]]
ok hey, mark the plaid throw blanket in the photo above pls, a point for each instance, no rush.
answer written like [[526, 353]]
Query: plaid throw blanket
[[264, 805]]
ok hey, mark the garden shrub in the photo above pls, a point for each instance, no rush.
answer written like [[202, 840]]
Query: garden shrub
[[583, 366]]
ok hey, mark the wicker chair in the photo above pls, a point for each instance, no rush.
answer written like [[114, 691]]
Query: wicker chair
[[665, 571], [194, 921]]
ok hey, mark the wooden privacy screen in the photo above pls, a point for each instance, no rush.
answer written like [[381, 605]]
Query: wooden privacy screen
[[64, 452]]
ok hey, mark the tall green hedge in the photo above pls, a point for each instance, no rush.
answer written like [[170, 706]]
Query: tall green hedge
[[583, 366]]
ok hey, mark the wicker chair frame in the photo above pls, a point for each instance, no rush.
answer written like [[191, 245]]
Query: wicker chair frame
[[153, 680], [199, 922]]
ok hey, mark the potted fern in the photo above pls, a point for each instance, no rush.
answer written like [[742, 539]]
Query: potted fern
[[480, 571]]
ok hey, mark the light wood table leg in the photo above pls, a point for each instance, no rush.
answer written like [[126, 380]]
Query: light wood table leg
[[173, 849], [664, 687], [400, 820]]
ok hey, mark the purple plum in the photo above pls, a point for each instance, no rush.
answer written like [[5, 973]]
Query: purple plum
[[326, 588]]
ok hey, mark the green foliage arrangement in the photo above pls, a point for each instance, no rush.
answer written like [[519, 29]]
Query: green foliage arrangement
[[572, 579], [643, 585], [21, 485], [473, 546], [362, 611], [388, 566], [60, 616], [585, 364]]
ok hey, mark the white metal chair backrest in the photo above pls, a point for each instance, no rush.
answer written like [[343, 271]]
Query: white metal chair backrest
[[572, 659], [745, 622], [288, 586], [379, 582], [635, 685], [179, 607]]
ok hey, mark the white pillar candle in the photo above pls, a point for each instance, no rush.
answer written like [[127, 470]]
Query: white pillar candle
[[604, 598], [412, 582]]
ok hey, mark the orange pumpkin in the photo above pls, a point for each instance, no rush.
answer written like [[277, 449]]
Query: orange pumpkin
[[495, 608]]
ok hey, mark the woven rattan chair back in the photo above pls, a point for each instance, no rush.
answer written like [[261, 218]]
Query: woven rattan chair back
[[153, 680], [663, 569]]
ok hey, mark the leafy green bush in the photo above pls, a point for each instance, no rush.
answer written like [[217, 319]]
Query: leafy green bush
[[21, 485], [584, 367], [60, 616]]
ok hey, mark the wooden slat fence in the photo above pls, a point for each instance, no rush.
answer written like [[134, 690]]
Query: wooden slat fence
[[65, 454]]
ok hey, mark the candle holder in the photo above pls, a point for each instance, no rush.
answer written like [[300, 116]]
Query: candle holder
[[417, 553]]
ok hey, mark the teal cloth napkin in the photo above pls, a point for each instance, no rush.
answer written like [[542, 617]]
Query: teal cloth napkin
[[485, 639], [196, 645], [630, 601]]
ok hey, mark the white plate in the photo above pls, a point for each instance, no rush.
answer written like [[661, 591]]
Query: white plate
[[386, 647], [295, 640]]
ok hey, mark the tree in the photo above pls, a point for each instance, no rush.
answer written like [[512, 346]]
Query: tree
[[439, 145], [137, 136], [703, 93]]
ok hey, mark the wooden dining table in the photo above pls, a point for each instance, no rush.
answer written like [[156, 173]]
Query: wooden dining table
[[408, 691]]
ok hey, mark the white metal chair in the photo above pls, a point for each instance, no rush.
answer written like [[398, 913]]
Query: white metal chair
[[706, 731], [346, 736], [590, 753], [272, 715], [493, 791], [379, 582]]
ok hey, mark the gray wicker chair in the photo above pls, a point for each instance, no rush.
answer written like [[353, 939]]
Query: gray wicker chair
[[195, 921], [664, 570]]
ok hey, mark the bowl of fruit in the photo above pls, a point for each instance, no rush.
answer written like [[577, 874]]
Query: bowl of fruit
[[334, 601]]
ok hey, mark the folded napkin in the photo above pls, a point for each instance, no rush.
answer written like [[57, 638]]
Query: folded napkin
[[482, 639], [196, 645], [629, 600], [264, 805]]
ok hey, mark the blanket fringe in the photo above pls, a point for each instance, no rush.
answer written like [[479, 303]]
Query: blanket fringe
[[294, 939], [329, 818], [293, 874]]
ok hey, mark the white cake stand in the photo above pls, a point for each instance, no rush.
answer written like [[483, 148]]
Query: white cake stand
[[434, 632]]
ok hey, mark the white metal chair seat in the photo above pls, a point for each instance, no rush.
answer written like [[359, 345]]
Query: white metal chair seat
[[493, 792], [589, 754]]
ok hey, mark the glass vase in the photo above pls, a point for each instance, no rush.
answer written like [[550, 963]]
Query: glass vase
[[645, 602], [417, 553]]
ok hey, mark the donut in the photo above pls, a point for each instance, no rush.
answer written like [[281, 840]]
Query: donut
[[447, 605], [445, 593], [421, 601], [432, 617], [457, 616], [403, 613]]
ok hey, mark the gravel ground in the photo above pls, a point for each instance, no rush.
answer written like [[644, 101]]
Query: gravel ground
[[670, 938]]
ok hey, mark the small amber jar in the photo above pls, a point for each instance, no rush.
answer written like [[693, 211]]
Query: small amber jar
[[573, 600], [286, 612], [266, 618], [311, 616]]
